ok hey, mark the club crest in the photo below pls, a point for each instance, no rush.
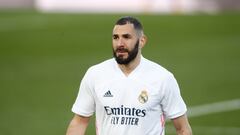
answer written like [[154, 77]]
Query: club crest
[[143, 97]]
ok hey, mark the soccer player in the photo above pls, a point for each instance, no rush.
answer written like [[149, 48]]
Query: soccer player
[[129, 94]]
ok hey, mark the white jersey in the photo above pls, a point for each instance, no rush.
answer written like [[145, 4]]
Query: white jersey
[[129, 105]]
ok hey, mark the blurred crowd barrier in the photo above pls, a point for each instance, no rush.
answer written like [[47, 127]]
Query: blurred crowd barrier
[[16, 4], [135, 6]]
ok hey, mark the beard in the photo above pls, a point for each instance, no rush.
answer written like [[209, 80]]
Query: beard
[[131, 54]]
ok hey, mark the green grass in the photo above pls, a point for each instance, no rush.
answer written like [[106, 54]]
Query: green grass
[[44, 56]]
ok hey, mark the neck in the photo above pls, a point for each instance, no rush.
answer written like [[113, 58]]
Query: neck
[[128, 68]]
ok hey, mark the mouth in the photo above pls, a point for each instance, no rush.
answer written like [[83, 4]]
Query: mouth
[[121, 51]]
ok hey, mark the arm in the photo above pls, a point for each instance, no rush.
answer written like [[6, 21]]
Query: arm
[[78, 125], [182, 126]]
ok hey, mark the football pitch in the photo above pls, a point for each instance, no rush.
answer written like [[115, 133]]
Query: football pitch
[[44, 56]]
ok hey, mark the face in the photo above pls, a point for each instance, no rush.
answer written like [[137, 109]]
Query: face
[[125, 43]]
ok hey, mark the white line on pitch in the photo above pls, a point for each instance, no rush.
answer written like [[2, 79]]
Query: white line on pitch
[[210, 130], [214, 108]]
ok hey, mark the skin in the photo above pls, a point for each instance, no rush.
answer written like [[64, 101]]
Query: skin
[[125, 36], [182, 125], [78, 125]]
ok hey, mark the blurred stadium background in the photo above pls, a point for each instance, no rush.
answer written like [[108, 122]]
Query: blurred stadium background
[[47, 45]]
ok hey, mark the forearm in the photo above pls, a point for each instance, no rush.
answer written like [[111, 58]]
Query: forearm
[[186, 131], [182, 126], [76, 129], [77, 126]]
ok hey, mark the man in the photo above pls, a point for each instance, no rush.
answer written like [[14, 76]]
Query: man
[[129, 95]]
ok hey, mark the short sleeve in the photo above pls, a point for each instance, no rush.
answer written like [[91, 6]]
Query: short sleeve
[[172, 103], [84, 104]]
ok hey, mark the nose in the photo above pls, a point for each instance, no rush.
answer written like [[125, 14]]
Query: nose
[[120, 42]]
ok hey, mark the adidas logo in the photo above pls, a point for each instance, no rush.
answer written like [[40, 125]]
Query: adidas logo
[[108, 94]]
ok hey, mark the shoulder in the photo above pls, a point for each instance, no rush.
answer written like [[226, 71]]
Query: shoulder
[[100, 72], [103, 67], [156, 69]]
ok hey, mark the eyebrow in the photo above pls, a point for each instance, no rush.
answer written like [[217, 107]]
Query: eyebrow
[[127, 35], [124, 35]]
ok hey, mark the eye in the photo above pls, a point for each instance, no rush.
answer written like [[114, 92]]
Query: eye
[[127, 36], [115, 37]]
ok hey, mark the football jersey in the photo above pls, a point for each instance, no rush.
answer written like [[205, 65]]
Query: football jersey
[[137, 104]]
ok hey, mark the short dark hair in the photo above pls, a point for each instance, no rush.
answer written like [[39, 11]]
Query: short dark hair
[[130, 20]]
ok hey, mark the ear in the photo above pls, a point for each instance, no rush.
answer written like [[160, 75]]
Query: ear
[[143, 41]]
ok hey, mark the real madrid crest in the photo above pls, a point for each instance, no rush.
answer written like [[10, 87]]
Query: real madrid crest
[[143, 97]]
